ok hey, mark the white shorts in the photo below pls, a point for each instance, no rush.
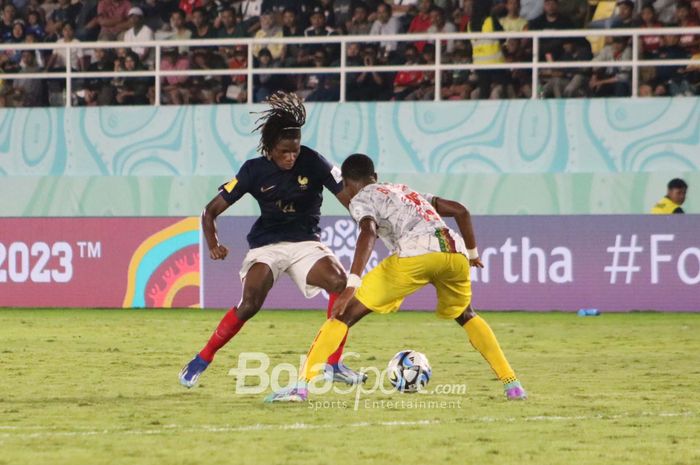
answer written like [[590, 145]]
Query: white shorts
[[294, 258]]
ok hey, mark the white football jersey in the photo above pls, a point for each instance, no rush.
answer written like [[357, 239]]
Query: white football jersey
[[406, 220]]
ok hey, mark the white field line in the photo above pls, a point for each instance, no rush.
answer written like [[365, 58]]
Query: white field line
[[20, 432]]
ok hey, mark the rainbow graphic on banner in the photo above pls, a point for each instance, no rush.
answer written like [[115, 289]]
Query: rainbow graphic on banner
[[164, 269]]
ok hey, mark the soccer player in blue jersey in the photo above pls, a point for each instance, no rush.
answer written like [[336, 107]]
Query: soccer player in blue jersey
[[287, 181]]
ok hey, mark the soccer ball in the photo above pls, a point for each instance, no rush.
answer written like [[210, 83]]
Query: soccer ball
[[409, 371]]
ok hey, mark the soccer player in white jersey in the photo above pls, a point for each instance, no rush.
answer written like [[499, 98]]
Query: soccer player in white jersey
[[423, 251]]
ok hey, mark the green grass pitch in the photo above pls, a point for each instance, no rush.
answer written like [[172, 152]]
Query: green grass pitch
[[100, 387]]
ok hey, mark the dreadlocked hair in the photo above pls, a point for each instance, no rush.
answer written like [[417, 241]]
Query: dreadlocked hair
[[283, 120]]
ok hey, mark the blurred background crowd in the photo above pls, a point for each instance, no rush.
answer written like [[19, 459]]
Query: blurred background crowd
[[61, 21]]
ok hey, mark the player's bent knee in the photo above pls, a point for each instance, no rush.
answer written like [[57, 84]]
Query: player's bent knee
[[336, 283], [466, 315], [249, 307]]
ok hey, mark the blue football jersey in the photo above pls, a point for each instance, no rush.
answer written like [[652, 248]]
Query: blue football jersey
[[290, 200]]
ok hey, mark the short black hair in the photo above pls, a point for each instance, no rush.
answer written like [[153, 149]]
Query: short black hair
[[677, 183], [357, 167]]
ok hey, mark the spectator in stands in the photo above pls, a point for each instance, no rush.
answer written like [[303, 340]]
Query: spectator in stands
[[695, 4], [550, 19], [516, 50], [369, 86], [87, 97], [692, 74], [30, 92], [512, 21], [401, 7], [689, 42], [327, 9], [201, 27], [569, 82], [8, 18], [237, 90], [229, 25], [31, 39], [408, 81], [65, 13], [179, 29], [113, 18], [57, 61], [385, 24], [426, 89], [531, 9], [156, 13], [491, 83], [17, 36], [666, 10], [277, 7], [625, 15], [612, 81], [318, 28], [650, 44], [87, 26], [53, 33], [207, 89], [211, 10], [421, 22], [291, 28], [34, 25], [342, 12], [249, 12], [139, 32], [174, 88], [130, 90], [359, 24], [102, 60], [290, 24], [321, 87], [188, 6], [460, 18], [269, 30], [439, 24], [264, 84], [671, 80], [456, 84]]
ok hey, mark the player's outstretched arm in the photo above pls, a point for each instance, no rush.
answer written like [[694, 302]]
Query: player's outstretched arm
[[363, 252], [450, 208], [213, 209], [364, 246]]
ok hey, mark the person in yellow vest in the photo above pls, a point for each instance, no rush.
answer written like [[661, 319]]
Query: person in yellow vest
[[492, 82], [674, 198]]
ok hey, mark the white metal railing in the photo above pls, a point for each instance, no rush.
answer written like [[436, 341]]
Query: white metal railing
[[435, 38]]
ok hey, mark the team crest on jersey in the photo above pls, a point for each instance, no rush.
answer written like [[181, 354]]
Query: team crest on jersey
[[303, 182]]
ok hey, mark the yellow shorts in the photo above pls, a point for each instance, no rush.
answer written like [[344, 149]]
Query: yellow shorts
[[384, 288]]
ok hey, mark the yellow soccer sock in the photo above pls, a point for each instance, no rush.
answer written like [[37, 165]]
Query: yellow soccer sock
[[327, 341], [482, 338]]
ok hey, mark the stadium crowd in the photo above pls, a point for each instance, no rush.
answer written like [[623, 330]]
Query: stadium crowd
[[61, 21]]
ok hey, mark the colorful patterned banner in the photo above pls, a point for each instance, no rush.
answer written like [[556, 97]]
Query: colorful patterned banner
[[613, 263], [500, 157], [99, 262]]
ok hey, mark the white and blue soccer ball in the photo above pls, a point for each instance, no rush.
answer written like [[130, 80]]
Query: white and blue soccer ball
[[409, 371]]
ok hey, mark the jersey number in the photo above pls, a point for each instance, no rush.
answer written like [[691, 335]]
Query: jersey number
[[287, 207]]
